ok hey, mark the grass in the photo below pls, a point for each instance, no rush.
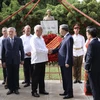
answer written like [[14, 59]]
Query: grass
[[52, 72]]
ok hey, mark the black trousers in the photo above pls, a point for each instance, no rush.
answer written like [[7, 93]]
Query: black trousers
[[27, 70], [4, 74], [13, 76], [38, 76], [94, 79], [67, 79]]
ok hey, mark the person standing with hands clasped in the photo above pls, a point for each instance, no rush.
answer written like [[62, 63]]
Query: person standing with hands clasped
[[12, 53], [27, 58], [92, 62]]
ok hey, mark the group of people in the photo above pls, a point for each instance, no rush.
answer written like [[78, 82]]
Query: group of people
[[31, 51], [28, 51], [70, 53]]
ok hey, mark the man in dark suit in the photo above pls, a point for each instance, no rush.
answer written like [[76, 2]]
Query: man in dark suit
[[12, 53], [92, 60], [65, 60]]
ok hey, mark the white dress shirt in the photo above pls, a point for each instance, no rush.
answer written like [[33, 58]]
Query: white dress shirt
[[66, 34], [1, 38], [26, 44], [39, 52], [78, 46]]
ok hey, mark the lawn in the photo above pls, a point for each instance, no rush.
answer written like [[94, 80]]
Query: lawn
[[52, 72]]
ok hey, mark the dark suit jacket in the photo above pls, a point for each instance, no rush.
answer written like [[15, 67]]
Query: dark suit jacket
[[92, 57], [65, 51], [12, 54]]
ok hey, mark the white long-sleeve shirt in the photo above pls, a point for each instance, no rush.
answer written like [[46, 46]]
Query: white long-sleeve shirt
[[39, 52], [26, 44], [1, 38], [78, 46]]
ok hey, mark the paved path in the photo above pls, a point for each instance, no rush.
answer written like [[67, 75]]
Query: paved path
[[53, 87]]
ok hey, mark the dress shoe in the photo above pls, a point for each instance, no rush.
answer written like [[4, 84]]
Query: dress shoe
[[63, 94], [68, 96], [23, 82], [44, 92], [79, 82], [35, 94], [16, 92], [26, 85], [3, 82], [9, 92], [75, 81]]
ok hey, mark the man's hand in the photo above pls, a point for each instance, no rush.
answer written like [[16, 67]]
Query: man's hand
[[49, 51], [28, 53], [66, 65]]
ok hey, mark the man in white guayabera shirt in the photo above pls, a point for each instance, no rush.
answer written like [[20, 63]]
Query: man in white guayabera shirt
[[39, 55], [27, 58]]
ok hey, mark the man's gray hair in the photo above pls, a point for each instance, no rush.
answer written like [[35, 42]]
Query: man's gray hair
[[64, 27], [4, 28], [11, 28], [37, 27]]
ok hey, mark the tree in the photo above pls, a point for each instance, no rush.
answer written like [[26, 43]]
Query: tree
[[1, 4], [91, 8], [72, 1], [22, 2]]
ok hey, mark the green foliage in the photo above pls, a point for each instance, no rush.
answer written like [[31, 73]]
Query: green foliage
[[89, 7], [72, 1]]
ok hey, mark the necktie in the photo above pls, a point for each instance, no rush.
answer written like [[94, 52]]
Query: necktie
[[12, 41]]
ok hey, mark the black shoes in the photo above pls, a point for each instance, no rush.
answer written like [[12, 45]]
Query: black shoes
[[67, 96], [76, 81], [16, 92], [23, 82], [63, 94], [9, 92], [79, 82], [44, 92], [3, 82], [26, 85], [35, 94]]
